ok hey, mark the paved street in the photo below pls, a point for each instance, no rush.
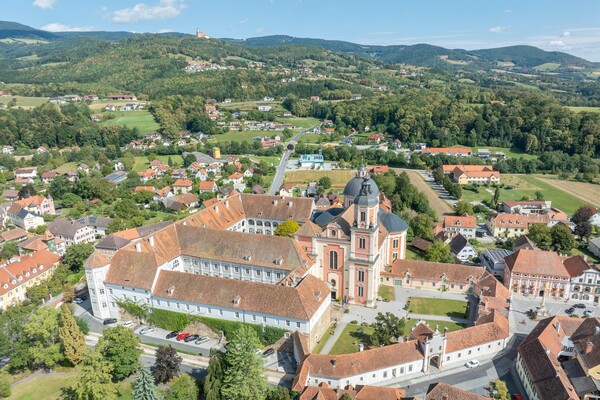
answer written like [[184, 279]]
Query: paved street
[[280, 173]]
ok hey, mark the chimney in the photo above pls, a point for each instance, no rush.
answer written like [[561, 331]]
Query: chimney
[[227, 203], [291, 203], [334, 362], [138, 247], [445, 330], [596, 330], [217, 208], [275, 202], [151, 240], [558, 326], [589, 346]]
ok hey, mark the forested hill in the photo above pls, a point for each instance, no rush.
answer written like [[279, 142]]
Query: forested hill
[[435, 56], [14, 30]]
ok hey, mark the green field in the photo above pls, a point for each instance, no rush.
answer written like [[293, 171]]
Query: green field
[[141, 119], [560, 199], [244, 136], [549, 66], [324, 339], [25, 101], [66, 167], [313, 139], [387, 293], [301, 122], [511, 153], [50, 388], [444, 307], [584, 109]]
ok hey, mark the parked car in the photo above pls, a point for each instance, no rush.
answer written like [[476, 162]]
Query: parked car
[[257, 351], [182, 336], [579, 305], [77, 300], [569, 310], [517, 396], [147, 329], [202, 339], [472, 364], [109, 321], [191, 338], [172, 335], [128, 324], [268, 352], [587, 313]]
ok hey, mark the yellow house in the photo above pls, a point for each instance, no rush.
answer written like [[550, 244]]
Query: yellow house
[[27, 270]]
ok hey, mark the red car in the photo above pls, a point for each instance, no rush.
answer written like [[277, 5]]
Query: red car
[[182, 336], [517, 396]]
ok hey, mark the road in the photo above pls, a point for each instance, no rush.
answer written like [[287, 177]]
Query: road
[[280, 173]]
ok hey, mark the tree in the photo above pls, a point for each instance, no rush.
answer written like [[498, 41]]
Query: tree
[[562, 239], [496, 197], [59, 187], [386, 327], [144, 387], [463, 207], [26, 191], [279, 393], [540, 235], [184, 387], [539, 195], [44, 341], [167, 364], [345, 396], [244, 377], [4, 386], [94, 381], [438, 252], [325, 182], [214, 376], [422, 226], [120, 347], [68, 293], [125, 209], [287, 228], [9, 249], [581, 219], [77, 254], [73, 342]]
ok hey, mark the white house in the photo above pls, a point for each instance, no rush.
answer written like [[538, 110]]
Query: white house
[[594, 246]]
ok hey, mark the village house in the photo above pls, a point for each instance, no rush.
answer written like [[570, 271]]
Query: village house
[[8, 150], [38, 204], [264, 107], [25, 271], [465, 225], [48, 177], [182, 186], [21, 217], [461, 249], [26, 173], [513, 225], [146, 175], [47, 241], [526, 207], [208, 186], [449, 151], [72, 232], [114, 97]]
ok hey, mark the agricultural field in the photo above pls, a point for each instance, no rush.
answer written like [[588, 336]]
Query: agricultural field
[[588, 192], [140, 119], [50, 388], [243, 136], [438, 205], [584, 109], [301, 122], [142, 163], [510, 153], [549, 66], [25, 102], [339, 178]]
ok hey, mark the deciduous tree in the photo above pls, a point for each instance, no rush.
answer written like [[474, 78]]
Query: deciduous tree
[[439, 252], [166, 366], [386, 327], [77, 254], [422, 226], [94, 381], [287, 228], [184, 387], [120, 347], [562, 238], [541, 236], [44, 340]]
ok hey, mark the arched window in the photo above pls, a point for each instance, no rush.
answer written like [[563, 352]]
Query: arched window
[[585, 297], [333, 282], [250, 222], [333, 259], [576, 288], [587, 289], [259, 223], [267, 223]]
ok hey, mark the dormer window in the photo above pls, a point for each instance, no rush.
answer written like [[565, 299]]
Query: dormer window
[[5, 286], [34, 270], [237, 300], [170, 291], [333, 233], [14, 282], [27, 274]]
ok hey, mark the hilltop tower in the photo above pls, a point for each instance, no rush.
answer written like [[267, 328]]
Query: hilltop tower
[[201, 35]]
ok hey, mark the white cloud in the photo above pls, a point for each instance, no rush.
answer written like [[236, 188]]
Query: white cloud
[[565, 34], [165, 30], [557, 43], [165, 9], [58, 27], [44, 4], [260, 30], [498, 29]]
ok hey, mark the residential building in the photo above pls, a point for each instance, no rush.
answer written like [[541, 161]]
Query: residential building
[[25, 271], [47, 241], [364, 392], [537, 273], [24, 218], [26, 173], [16, 234], [472, 174], [585, 279], [116, 177], [183, 186], [443, 391], [465, 225], [450, 151], [10, 194], [513, 225], [130, 97], [526, 207], [264, 107], [8, 150], [461, 249], [72, 232], [38, 204], [98, 224], [180, 202], [311, 160], [207, 186], [48, 177], [595, 219]]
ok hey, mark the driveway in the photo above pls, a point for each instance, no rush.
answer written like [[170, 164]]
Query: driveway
[[280, 172]]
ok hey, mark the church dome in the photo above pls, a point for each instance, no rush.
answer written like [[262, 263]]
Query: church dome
[[368, 194], [392, 222], [353, 187]]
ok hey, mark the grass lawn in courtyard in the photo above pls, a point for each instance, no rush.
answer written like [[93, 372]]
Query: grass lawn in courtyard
[[452, 326], [413, 255], [387, 293], [351, 336], [50, 388], [445, 307], [141, 119], [324, 339]]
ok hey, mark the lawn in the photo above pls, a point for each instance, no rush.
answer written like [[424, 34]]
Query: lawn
[[445, 307], [509, 152], [387, 293], [339, 178], [25, 102], [413, 255], [236, 136], [560, 198], [584, 109], [141, 119], [50, 388], [324, 339], [301, 122], [350, 338], [66, 167], [142, 163], [315, 139]]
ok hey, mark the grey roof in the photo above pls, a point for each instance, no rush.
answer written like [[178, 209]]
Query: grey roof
[[582, 383], [92, 220], [496, 255], [65, 228], [368, 194], [458, 243], [146, 230], [23, 213], [112, 242], [202, 158], [596, 241], [322, 218], [392, 222]]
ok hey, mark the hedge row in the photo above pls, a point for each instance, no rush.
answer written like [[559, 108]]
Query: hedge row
[[175, 321]]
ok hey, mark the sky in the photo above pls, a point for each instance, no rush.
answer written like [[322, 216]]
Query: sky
[[571, 26]]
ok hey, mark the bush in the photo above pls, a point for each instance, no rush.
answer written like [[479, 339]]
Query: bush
[[83, 325], [4, 386], [354, 322], [169, 320]]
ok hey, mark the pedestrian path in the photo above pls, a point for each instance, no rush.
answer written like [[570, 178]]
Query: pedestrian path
[[442, 318], [333, 338]]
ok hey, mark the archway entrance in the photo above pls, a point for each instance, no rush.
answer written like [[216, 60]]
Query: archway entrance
[[434, 362], [541, 294]]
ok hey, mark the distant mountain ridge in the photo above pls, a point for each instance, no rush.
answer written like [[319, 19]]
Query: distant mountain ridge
[[520, 56]]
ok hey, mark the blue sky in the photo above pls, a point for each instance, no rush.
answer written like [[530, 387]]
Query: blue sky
[[570, 26]]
